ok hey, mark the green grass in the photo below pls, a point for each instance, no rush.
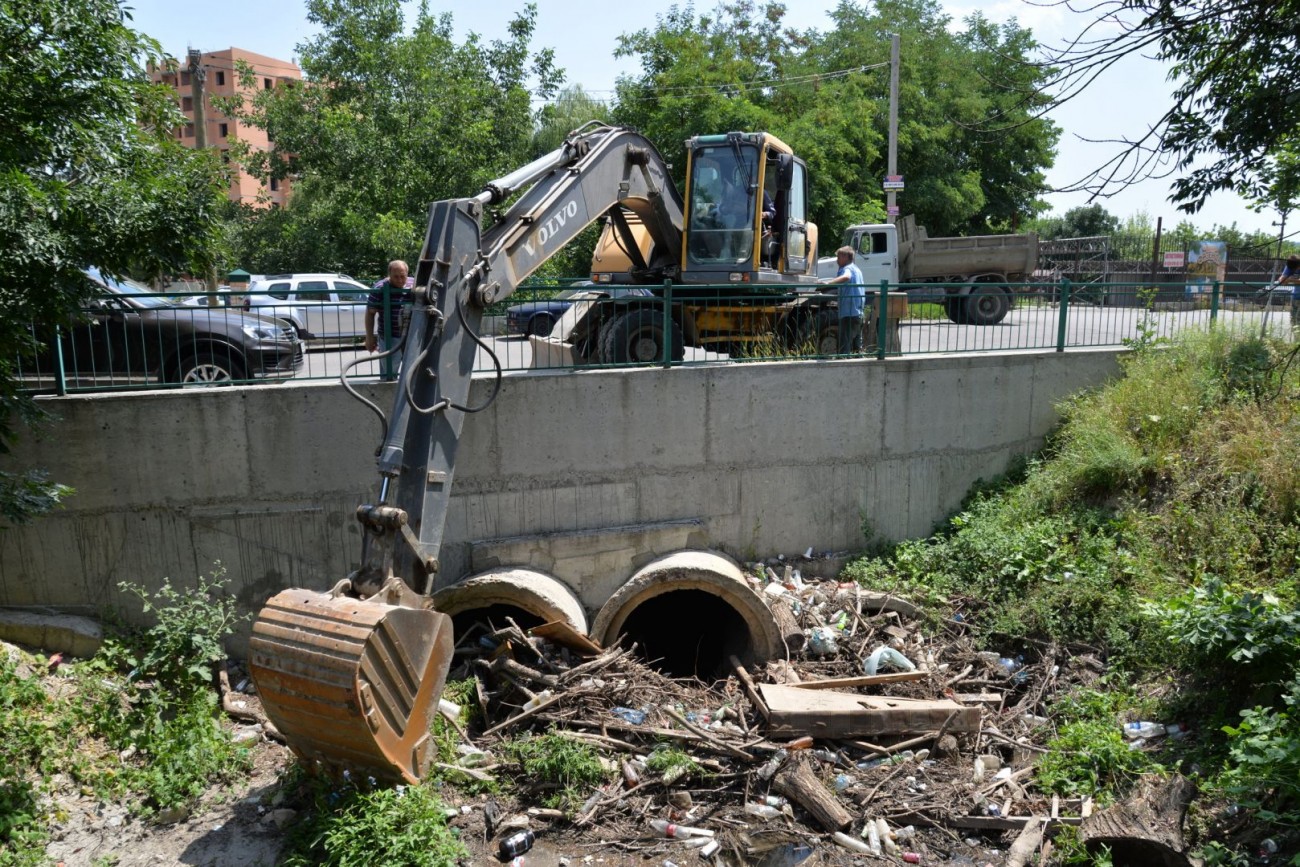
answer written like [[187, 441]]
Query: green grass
[[567, 769], [1160, 530]]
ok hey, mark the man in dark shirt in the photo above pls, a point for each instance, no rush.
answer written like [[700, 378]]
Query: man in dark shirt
[[397, 287]]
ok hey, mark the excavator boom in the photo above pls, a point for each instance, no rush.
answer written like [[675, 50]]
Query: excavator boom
[[352, 677]]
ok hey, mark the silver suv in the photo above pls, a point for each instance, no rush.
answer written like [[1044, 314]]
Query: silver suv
[[319, 306]]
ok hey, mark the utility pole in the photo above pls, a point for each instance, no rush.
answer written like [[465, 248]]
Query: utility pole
[[890, 195], [198, 76]]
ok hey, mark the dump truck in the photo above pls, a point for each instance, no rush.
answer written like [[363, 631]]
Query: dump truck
[[975, 278], [351, 676]]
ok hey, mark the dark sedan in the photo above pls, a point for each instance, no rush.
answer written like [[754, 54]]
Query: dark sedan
[[129, 335], [539, 317]]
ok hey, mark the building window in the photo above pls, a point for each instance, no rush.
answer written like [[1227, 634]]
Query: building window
[[189, 130], [187, 103], [221, 78], [225, 129], [275, 184], [185, 79], [267, 83]]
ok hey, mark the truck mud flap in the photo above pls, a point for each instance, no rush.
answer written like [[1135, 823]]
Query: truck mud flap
[[351, 684]]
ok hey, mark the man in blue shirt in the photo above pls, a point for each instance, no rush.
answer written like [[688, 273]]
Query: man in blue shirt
[[852, 298], [398, 287]]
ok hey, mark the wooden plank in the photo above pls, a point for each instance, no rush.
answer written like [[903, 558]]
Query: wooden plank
[[866, 680], [826, 714], [563, 634], [990, 700]]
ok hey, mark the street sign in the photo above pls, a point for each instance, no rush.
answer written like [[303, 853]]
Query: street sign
[[1175, 260], [893, 182], [892, 210]]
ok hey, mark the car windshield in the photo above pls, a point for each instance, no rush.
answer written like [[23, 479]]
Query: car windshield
[[140, 294], [572, 293]]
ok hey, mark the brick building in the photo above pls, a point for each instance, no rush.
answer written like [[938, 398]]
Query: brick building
[[222, 79]]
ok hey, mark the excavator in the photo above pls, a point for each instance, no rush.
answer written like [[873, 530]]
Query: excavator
[[352, 676]]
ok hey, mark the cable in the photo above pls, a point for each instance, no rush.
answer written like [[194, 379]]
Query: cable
[[343, 379]]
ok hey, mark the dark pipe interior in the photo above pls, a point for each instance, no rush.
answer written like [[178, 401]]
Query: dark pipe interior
[[685, 633], [491, 618]]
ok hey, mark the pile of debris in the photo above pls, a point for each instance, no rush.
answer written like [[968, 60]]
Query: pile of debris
[[881, 734]]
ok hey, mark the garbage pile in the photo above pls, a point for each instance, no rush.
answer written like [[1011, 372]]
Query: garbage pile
[[883, 733]]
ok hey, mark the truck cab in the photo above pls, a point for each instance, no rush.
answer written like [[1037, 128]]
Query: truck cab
[[875, 251]]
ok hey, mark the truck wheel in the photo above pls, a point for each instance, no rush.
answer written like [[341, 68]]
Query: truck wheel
[[637, 337], [820, 334], [987, 307], [953, 308]]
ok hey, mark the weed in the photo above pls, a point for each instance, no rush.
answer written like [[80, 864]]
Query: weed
[[672, 764], [402, 825], [1091, 757], [552, 760]]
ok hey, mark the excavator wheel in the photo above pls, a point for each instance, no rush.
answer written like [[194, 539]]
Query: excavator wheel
[[351, 684]]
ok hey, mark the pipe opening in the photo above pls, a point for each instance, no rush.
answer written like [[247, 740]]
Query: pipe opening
[[688, 633]]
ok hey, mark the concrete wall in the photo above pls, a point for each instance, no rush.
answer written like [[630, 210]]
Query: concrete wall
[[752, 459]]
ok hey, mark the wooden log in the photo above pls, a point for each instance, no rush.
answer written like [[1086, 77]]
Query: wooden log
[[786, 623], [1147, 828], [798, 783], [748, 683], [1026, 844]]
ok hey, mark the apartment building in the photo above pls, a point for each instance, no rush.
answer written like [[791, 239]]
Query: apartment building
[[222, 79]]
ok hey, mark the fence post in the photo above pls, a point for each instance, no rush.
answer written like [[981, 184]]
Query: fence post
[[882, 320], [60, 370], [1214, 302], [387, 334], [668, 323], [1064, 317]]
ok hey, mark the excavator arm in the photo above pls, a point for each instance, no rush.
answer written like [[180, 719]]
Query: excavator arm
[[351, 677]]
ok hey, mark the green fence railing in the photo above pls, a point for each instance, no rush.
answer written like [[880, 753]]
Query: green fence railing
[[152, 341]]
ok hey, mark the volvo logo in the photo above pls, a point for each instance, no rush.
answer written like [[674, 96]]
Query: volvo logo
[[551, 227]]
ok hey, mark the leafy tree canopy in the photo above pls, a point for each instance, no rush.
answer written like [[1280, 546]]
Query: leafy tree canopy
[[90, 174], [387, 122], [969, 147], [1234, 121]]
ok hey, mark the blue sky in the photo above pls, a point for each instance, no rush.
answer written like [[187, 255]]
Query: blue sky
[[584, 35]]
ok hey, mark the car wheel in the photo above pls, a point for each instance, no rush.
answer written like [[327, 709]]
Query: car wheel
[[541, 325], [209, 368], [820, 334]]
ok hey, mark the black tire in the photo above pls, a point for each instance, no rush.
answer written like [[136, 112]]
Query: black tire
[[637, 337], [206, 367], [987, 305], [954, 309], [820, 334], [541, 325]]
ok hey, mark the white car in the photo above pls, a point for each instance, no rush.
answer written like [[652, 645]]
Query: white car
[[326, 307]]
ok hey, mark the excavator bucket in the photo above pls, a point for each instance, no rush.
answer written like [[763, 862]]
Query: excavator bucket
[[352, 684]]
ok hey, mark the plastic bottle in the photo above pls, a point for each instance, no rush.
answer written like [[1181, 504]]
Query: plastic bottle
[[830, 757], [821, 642], [769, 769], [775, 800], [872, 834], [668, 829], [517, 844], [627, 714], [537, 700], [842, 782], [978, 774], [849, 843], [886, 836], [911, 858], [802, 743], [1144, 729], [762, 811]]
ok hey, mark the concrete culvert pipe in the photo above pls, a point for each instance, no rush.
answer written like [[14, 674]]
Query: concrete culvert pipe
[[688, 613], [529, 597]]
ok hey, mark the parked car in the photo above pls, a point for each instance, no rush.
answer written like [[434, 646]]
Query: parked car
[[539, 317], [128, 334], [319, 306], [222, 297]]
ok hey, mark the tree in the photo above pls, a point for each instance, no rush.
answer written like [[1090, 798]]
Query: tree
[[1234, 109], [969, 146], [90, 174], [386, 122]]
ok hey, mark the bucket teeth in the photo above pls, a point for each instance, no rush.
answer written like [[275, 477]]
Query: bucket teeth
[[352, 684]]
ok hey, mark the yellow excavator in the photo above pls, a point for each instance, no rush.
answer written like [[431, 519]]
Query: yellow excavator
[[352, 676]]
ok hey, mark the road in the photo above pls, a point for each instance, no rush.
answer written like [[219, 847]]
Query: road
[[1025, 328]]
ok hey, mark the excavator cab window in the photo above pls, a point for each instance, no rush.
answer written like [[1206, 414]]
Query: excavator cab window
[[722, 199]]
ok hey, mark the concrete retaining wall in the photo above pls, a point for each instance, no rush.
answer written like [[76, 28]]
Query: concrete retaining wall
[[750, 459]]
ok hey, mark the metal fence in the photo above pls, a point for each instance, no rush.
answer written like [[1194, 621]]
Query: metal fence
[[153, 341]]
